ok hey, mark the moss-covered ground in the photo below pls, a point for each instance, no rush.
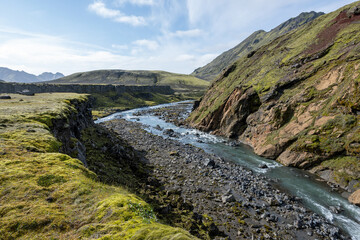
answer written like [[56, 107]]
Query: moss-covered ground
[[48, 195]]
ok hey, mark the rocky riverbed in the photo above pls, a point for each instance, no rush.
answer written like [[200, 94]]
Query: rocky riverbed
[[242, 204]]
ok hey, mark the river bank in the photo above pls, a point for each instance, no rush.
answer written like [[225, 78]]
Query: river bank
[[242, 204]]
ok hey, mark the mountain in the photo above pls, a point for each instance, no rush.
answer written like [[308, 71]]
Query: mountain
[[250, 44], [296, 99], [21, 76], [48, 76], [179, 82]]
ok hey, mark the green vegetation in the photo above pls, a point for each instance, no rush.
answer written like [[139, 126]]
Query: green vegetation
[[48, 195], [251, 44], [345, 169], [181, 83]]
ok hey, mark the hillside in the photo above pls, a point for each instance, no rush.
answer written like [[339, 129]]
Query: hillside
[[45, 194], [250, 44], [24, 77], [297, 99], [178, 82]]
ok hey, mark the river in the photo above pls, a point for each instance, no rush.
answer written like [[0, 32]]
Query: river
[[315, 195]]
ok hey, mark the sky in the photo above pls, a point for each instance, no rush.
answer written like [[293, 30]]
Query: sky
[[179, 36]]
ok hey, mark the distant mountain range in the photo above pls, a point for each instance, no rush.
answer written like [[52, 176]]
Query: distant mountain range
[[250, 44], [10, 75]]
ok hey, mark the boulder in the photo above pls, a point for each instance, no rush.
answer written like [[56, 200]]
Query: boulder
[[354, 11], [228, 198], [209, 162], [5, 97], [355, 198]]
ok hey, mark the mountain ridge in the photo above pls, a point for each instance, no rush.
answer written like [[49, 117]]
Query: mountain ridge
[[10, 75], [251, 43]]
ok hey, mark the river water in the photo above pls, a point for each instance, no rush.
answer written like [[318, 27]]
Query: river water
[[315, 195]]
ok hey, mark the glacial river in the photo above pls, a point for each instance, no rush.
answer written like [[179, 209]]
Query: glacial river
[[315, 195]]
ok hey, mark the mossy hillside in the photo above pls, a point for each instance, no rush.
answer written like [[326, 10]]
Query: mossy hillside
[[251, 44], [276, 61], [181, 83], [48, 195]]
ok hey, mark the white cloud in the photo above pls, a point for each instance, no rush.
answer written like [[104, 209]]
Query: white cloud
[[100, 9], [133, 20], [186, 57], [120, 47], [187, 33], [137, 2], [149, 44]]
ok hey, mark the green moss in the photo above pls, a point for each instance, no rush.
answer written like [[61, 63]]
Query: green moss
[[345, 168], [49, 179]]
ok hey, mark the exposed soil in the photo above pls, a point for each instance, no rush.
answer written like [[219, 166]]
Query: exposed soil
[[326, 38]]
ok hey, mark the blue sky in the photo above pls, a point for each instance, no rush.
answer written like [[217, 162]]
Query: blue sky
[[173, 35]]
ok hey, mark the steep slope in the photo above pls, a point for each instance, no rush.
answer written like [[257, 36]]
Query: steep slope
[[21, 76], [178, 82], [250, 44], [45, 194], [297, 99]]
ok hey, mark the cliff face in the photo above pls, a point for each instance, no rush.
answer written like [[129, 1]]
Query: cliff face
[[6, 87], [296, 99], [250, 44], [68, 129]]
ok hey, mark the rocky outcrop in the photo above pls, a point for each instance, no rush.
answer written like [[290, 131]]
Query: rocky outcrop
[[355, 198], [230, 118], [296, 100], [68, 129]]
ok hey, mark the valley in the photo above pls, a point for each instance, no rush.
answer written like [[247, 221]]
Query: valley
[[262, 142]]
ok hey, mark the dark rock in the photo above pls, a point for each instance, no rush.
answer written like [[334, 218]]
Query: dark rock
[[209, 162], [26, 92], [353, 11], [5, 97], [50, 199], [263, 165], [171, 133]]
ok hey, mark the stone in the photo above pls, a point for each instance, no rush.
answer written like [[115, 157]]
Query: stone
[[263, 166], [354, 11], [209, 162], [5, 97], [355, 198], [228, 198]]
